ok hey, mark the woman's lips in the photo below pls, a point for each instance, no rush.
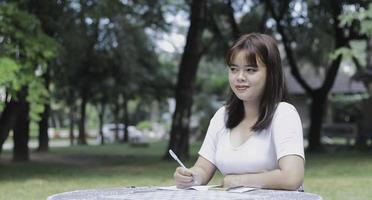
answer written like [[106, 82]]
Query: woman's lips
[[241, 87]]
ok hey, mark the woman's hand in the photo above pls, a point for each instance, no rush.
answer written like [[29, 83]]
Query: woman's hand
[[185, 178]]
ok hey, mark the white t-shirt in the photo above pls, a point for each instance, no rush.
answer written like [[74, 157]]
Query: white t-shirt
[[262, 150]]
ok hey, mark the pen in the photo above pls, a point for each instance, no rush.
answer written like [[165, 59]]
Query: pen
[[174, 156]]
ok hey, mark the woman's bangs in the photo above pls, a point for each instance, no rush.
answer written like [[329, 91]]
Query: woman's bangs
[[250, 56]]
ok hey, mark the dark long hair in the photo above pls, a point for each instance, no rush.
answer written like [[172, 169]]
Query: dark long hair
[[265, 47]]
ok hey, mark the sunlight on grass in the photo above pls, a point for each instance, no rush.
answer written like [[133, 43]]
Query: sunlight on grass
[[341, 175]]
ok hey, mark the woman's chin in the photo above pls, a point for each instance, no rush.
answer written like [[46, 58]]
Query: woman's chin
[[246, 98]]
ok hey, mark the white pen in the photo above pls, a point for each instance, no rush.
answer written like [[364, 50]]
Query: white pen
[[174, 156]]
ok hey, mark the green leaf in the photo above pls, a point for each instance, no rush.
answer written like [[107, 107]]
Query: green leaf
[[343, 51], [8, 70], [366, 27], [37, 96]]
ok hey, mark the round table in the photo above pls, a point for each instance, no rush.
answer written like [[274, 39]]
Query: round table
[[154, 193]]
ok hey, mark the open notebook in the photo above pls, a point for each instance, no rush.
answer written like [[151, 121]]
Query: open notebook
[[237, 189]]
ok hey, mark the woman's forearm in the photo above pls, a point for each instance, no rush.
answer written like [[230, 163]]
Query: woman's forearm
[[276, 179], [202, 177], [204, 171]]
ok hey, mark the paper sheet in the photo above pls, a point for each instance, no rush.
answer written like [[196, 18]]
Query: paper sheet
[[241, 189], [238, 189], [198, 188]]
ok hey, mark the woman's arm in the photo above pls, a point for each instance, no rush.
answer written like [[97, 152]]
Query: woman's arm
[[204, 169], [289, 176], [200, 174]]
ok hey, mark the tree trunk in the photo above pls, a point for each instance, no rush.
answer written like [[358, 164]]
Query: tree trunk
[[21, 129], [364, 121], [116, 113], [101, 114], [43, 130], [126, 120], [43, 124], [82, 135], [318, 103], [317, 109], [179, 134], [7, 120], [71, 117], [319, 97]]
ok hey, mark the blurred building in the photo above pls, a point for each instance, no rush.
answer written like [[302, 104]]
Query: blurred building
[[343, 85]]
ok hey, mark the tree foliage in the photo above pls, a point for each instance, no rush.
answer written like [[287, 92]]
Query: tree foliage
[[362, 19], [362, 15], [24, 53]]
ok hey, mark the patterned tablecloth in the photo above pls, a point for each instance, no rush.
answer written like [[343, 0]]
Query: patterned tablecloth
[[153, 193]]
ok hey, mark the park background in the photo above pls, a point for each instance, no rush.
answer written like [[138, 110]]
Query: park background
[[94, 92]]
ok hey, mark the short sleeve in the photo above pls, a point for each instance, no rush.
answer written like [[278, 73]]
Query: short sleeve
[[216, 125], [287, 131]]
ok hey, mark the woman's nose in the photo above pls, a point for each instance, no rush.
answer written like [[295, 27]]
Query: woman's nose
[[241, 76]]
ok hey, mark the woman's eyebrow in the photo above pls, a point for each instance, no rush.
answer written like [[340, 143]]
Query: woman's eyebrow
[[251, 65], [247, 65]]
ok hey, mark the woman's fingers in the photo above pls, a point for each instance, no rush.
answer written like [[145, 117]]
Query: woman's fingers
[[184, 171], [183, 177]]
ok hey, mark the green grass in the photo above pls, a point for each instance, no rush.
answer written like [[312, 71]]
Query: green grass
[[340, 175]]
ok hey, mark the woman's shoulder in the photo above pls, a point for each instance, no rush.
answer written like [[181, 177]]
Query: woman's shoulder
[[217, 122], [221, 110], [220, 113], [285, 109], [285, 106], [285, 114]]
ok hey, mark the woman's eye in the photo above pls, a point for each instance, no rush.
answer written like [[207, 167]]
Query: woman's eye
[[251, 70], [233, 69]]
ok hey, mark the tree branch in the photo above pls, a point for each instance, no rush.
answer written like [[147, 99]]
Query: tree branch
[[217, 34], [340, 41], [263, 20], [357, 63], [292, 63], [231, 19]]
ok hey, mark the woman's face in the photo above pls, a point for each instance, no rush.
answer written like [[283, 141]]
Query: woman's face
[[247, 81]]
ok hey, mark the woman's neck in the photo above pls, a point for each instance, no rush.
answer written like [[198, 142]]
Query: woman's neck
[[251, 110]]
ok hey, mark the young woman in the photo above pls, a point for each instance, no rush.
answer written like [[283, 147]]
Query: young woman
[[256, 139]]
